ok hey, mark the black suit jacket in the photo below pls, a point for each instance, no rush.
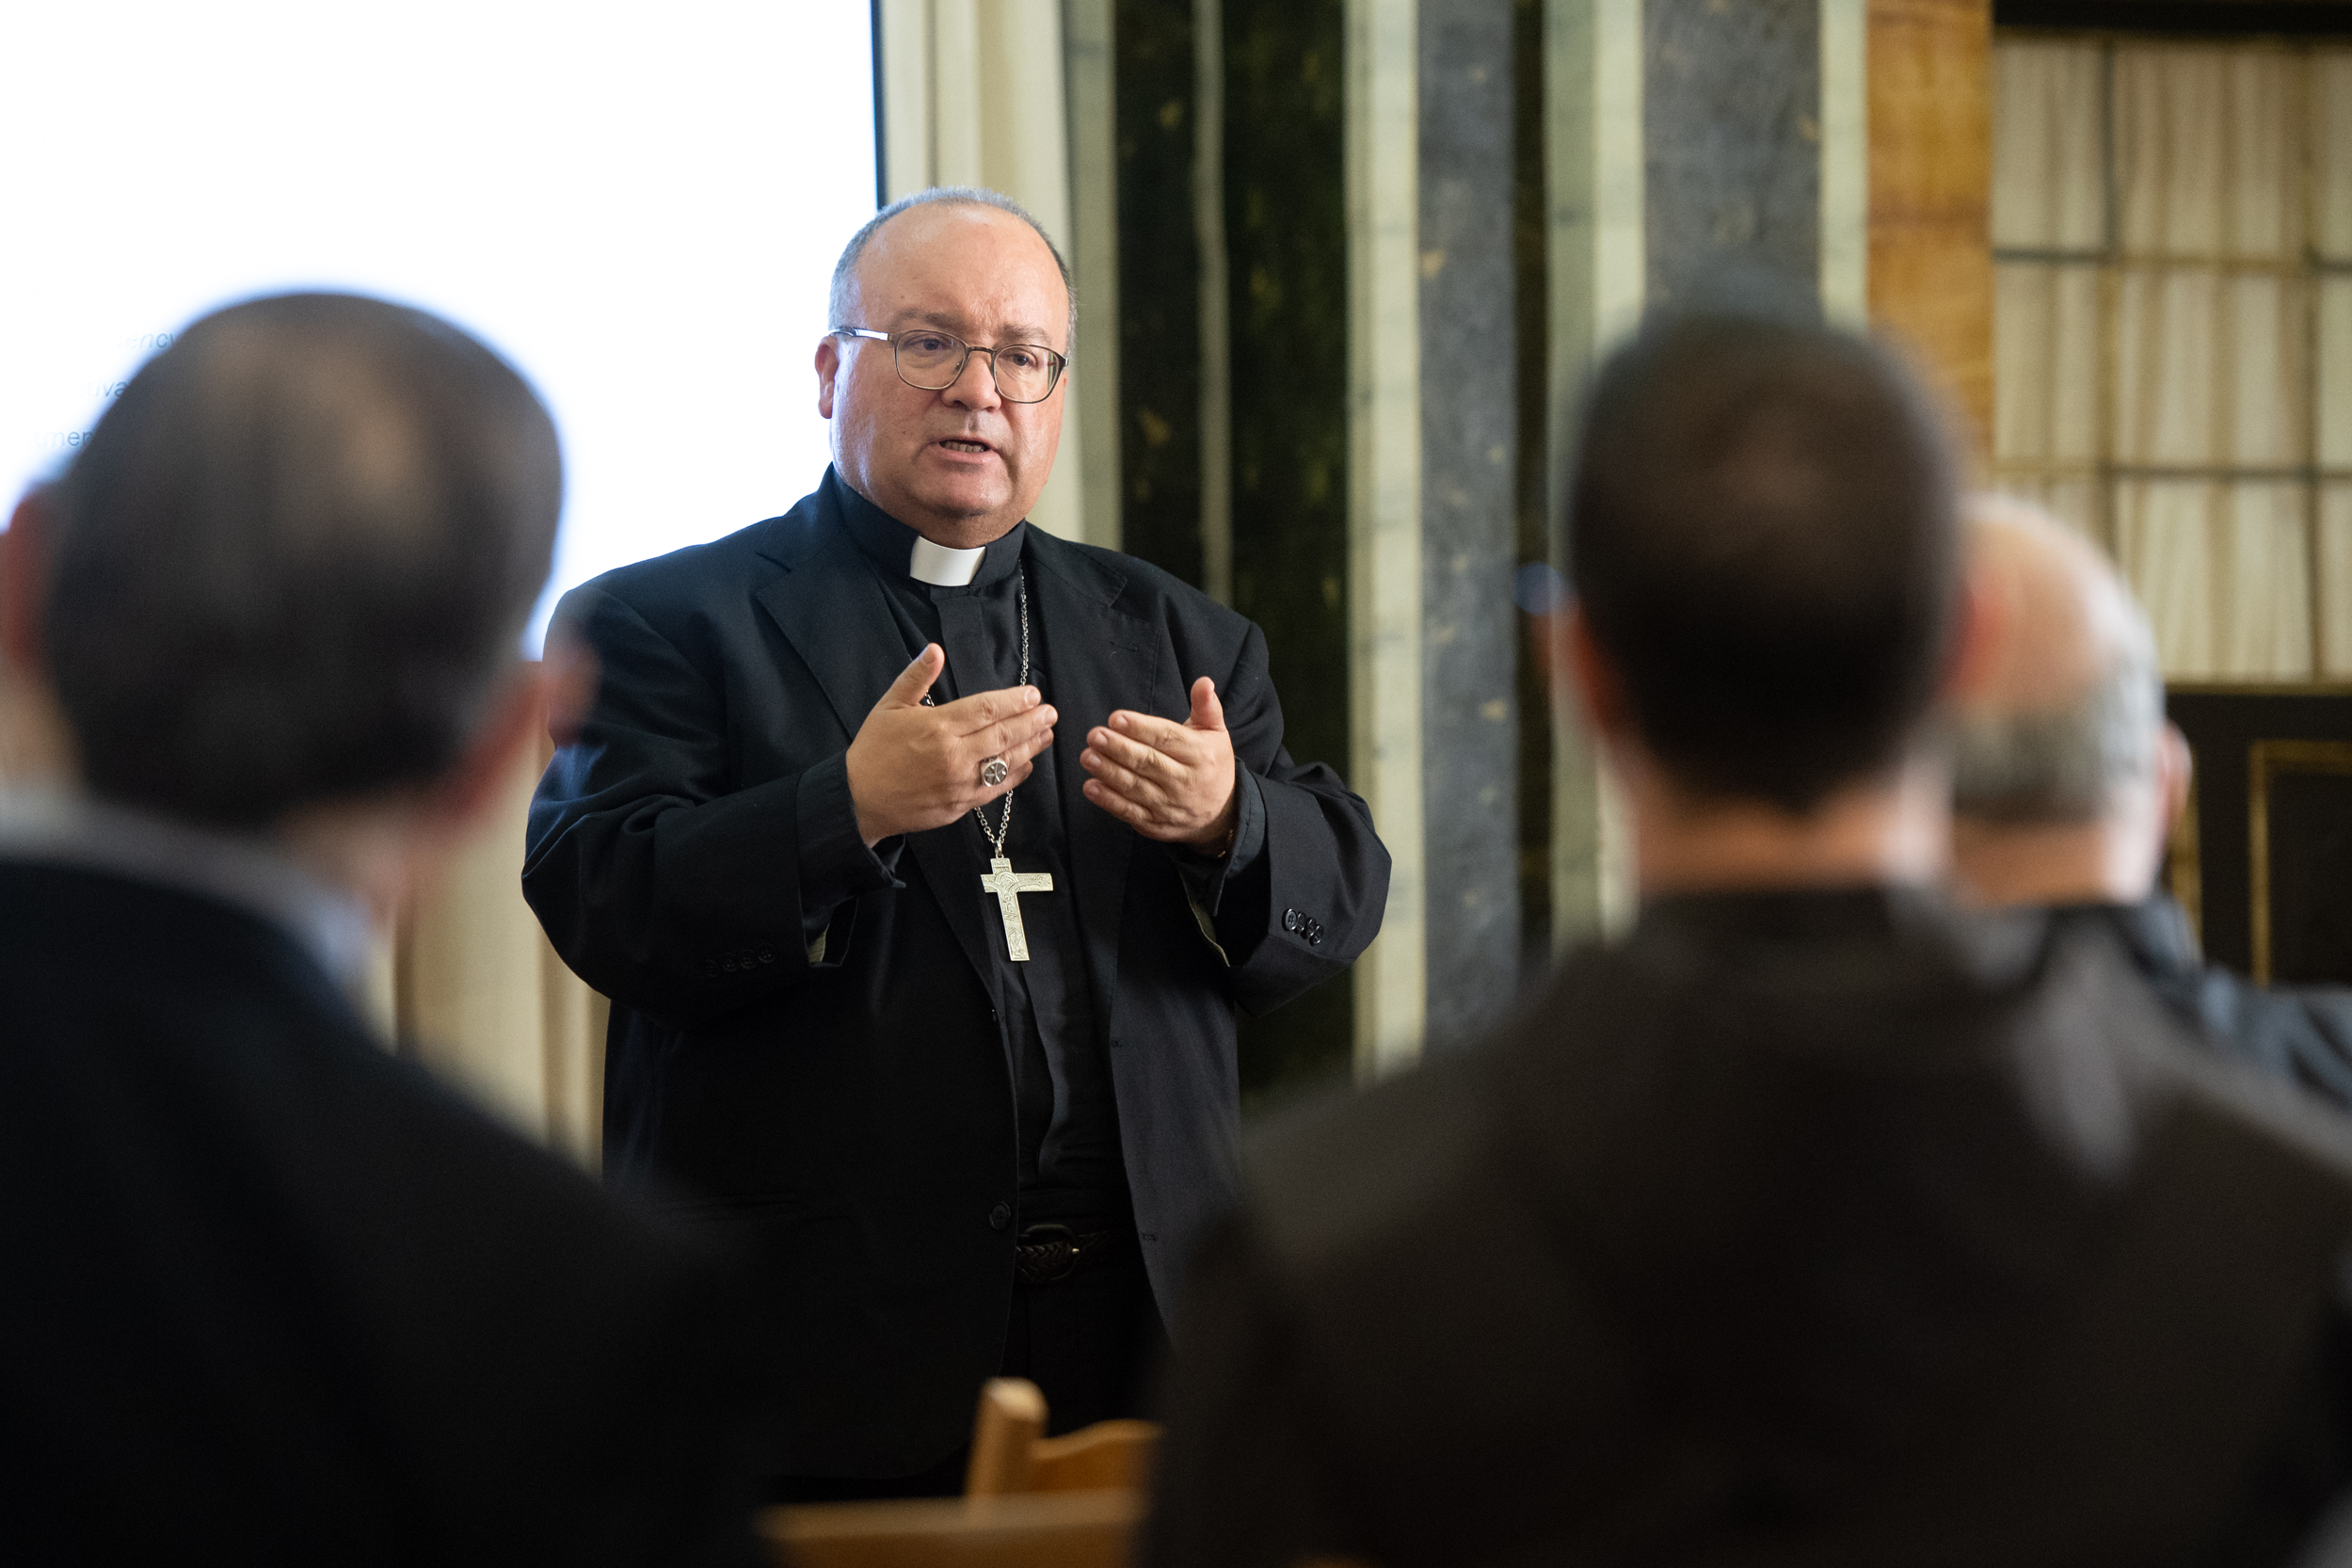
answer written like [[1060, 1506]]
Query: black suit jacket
[[855, 1111], [269, 1295], [2299, 1033], [1807, 1228]]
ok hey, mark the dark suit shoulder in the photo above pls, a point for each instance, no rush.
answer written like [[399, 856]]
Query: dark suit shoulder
[[1420, 1172], [1392, 1249], [2210, 1037], [1331, 1177], [437, 1329], [2300, 1034], [226, 1013]]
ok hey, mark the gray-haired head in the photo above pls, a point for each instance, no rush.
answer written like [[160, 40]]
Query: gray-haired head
[[2072, 710], [839, 302], [294, 563]]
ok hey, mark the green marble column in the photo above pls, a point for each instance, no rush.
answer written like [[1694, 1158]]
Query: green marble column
[[1286, 252], [1285, 443], [1160, 361]]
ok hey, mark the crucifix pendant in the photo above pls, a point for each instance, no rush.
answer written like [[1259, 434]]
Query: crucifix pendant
[[1008, 885]]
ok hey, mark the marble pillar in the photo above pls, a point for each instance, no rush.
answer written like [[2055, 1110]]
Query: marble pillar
[[1159, 321], [1731, 123], [1234, 346], [1285, 274], [1469, 371]]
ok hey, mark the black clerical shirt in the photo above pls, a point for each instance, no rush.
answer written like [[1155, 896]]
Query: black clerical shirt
[[1066, 1117]]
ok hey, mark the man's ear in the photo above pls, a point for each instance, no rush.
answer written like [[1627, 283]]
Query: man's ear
[[574, 677], [1977, 632], [510, 727], [828, 367], [1579, 677], [24, 570], [1590, 679], [2176, 769]]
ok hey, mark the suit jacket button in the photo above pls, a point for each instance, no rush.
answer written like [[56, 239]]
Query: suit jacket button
[[1000, 1216], [1289, 919], [729, 964], [767, 956], [710, 966]]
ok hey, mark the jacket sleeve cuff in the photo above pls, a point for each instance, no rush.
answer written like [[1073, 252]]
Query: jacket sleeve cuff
[[1205, 879], [834, 864]]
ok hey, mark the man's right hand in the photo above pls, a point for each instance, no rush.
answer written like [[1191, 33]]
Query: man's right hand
[[913, 767]]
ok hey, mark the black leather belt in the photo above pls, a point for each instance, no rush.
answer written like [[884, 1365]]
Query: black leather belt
[[1051, 1251]]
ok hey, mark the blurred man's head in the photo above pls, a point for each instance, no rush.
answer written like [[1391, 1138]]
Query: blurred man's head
[[1765, 555], [963, 463], [292, 566], [2066, 777]]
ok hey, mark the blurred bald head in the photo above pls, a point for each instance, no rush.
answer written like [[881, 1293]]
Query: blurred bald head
[[2063, 763], [294, 561], [2072, 701]]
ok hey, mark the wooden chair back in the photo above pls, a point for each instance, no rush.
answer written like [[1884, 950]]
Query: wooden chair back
[[1030, 1500], [1010, 1453], [1109, 1455]]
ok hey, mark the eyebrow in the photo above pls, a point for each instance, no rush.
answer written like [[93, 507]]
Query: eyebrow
[[948, 321]]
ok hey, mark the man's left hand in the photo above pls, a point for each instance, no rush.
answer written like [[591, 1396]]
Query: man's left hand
[[1172, 782]]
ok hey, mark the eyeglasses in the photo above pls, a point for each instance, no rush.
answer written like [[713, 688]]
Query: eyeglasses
[[934, 360]]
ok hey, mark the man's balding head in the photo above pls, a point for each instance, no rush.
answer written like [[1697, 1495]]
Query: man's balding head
[[2065, 777], [960, 465], [293, 564], [843, 303], [2070, 703]]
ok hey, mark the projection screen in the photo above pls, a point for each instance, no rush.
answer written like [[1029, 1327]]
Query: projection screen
[[639, 205]]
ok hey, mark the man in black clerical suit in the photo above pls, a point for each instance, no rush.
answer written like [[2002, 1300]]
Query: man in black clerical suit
[[1812, 1223], [925, 857], [2067, 781], [268, 1294]]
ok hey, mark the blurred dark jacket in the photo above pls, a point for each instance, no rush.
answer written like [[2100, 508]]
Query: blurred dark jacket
[[1813, 1228], [269, 1295], [2302, 1032]]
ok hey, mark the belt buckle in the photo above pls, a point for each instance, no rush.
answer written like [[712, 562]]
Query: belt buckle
[[1047, 1253]]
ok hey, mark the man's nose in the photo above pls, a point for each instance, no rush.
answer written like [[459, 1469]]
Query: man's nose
[[976, 387]]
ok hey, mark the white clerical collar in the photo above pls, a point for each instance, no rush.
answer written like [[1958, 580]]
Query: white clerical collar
[[942, 568]]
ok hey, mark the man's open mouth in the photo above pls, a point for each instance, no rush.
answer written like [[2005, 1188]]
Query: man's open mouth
[[952, 444]]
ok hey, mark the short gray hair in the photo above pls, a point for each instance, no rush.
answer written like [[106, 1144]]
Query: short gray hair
[[2062, 764], [294, 561], [844, 271]]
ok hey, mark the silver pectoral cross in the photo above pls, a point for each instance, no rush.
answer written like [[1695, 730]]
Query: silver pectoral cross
[[1008, 885]]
